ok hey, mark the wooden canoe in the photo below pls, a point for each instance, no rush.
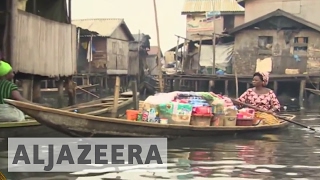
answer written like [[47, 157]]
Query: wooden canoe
[[314, 91], [28, 128], [32, 128], [83, 125]]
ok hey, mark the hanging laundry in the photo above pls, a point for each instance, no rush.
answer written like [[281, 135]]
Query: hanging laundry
[[264, 65]]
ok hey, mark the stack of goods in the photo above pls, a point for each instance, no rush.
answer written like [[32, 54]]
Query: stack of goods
[[192, 108]]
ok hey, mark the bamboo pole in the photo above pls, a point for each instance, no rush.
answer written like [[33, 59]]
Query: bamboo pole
[[159, 49]]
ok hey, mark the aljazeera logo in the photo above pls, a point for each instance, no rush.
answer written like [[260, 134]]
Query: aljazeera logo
[[2, 177]]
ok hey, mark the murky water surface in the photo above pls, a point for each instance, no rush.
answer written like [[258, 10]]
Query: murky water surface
[[291, 154]]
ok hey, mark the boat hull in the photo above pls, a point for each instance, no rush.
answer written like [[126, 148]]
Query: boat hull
[[26, 129], [81, 125]]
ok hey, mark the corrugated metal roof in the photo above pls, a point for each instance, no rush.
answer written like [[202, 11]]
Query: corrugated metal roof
[[192, 6], [104, 27]]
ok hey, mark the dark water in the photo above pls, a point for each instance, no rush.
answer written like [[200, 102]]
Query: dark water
[[291, 154]]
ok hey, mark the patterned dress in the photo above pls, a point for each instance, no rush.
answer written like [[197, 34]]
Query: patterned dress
[[264, 101]]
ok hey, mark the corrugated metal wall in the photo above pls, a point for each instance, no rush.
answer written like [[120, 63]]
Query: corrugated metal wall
[[43, 47]]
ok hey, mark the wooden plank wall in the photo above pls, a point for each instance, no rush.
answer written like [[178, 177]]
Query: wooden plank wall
[[43, 47]]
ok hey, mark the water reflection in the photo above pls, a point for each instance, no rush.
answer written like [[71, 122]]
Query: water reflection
[[290, 154]]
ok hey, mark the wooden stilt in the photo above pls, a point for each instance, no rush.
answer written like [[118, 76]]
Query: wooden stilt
[[36, 91], [226, 83], [26, 89], [135, 94], [114, 112], [317, 87], [171, 85], [60, 94], [196, 86], [101, 86], [176, 84], [46, 84], [275, 87], [70, 89], [301, 93], [106, 83], [211, 85]]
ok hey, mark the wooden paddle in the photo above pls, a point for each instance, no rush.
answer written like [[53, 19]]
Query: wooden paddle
[[279, 117]]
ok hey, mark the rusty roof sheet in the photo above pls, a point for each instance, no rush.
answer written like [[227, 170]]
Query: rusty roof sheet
[[192, 6], [104, 27]]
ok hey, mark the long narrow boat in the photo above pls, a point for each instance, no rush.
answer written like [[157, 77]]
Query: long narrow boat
[[84, 125], [314, 91], [32, 128]]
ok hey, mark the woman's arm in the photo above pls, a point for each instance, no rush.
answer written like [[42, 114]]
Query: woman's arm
[[274, 102], [243, 98]]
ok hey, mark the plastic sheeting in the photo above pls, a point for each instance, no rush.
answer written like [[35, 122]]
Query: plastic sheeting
[[9, 113], [223, 55]]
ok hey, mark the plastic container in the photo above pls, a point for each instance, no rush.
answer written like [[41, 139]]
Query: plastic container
[[217, 120], [145, 115], [201, 119], [246, 113], [163, 121], [202, 110], [218, 109], [230, 121], [244, 122], [132, 114]]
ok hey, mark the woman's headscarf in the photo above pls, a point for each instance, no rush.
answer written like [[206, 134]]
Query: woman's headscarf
[[5, 68], [265, 77]]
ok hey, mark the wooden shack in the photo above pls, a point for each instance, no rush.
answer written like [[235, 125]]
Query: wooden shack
[[285, 45], [152, 62], [228, 14], [290, 43], [110, 46], [138, 51], [38, 41]]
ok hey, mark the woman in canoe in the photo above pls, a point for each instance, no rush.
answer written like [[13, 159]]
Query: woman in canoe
[[262, 97], [8, 90]]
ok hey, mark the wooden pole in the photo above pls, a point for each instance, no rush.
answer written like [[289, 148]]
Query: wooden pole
[[159, 49], [176, 57], [301, 93], [116, 97], [236, 79], [237, 84], [13, 35], [69, 9], [90, 60], [139, 75], [60, 94], [213, 38], [135, 94], [200, 44]]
